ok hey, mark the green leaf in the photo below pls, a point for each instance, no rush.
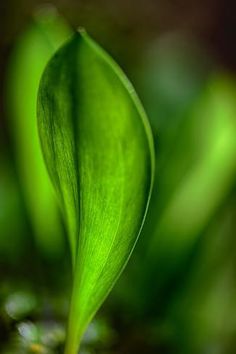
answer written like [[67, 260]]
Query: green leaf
[[43, 36], [99, 152]]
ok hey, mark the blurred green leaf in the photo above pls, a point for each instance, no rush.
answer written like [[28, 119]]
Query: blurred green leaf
[[99, 153], [12, 222], [204, 307], [44, 35], [208, 180]]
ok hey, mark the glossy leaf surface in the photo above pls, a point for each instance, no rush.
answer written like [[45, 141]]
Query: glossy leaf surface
[[98, 149]]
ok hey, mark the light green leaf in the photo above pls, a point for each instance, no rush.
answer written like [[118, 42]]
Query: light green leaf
[[99, 152], [204, 187], [43, 36]]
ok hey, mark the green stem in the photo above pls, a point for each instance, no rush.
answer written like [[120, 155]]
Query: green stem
[[73, 340], [75, 330]]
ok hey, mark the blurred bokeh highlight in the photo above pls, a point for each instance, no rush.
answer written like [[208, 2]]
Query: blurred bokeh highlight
[[178, 292]]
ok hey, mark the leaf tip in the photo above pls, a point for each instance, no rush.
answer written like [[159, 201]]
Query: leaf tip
[[81, 30]]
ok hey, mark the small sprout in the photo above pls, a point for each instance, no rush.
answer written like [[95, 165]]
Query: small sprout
[[99, 153]]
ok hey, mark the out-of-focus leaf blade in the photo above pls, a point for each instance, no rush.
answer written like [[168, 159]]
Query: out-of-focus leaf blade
[[99, 152], [46, 32], [207, 184], [201, 191]]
